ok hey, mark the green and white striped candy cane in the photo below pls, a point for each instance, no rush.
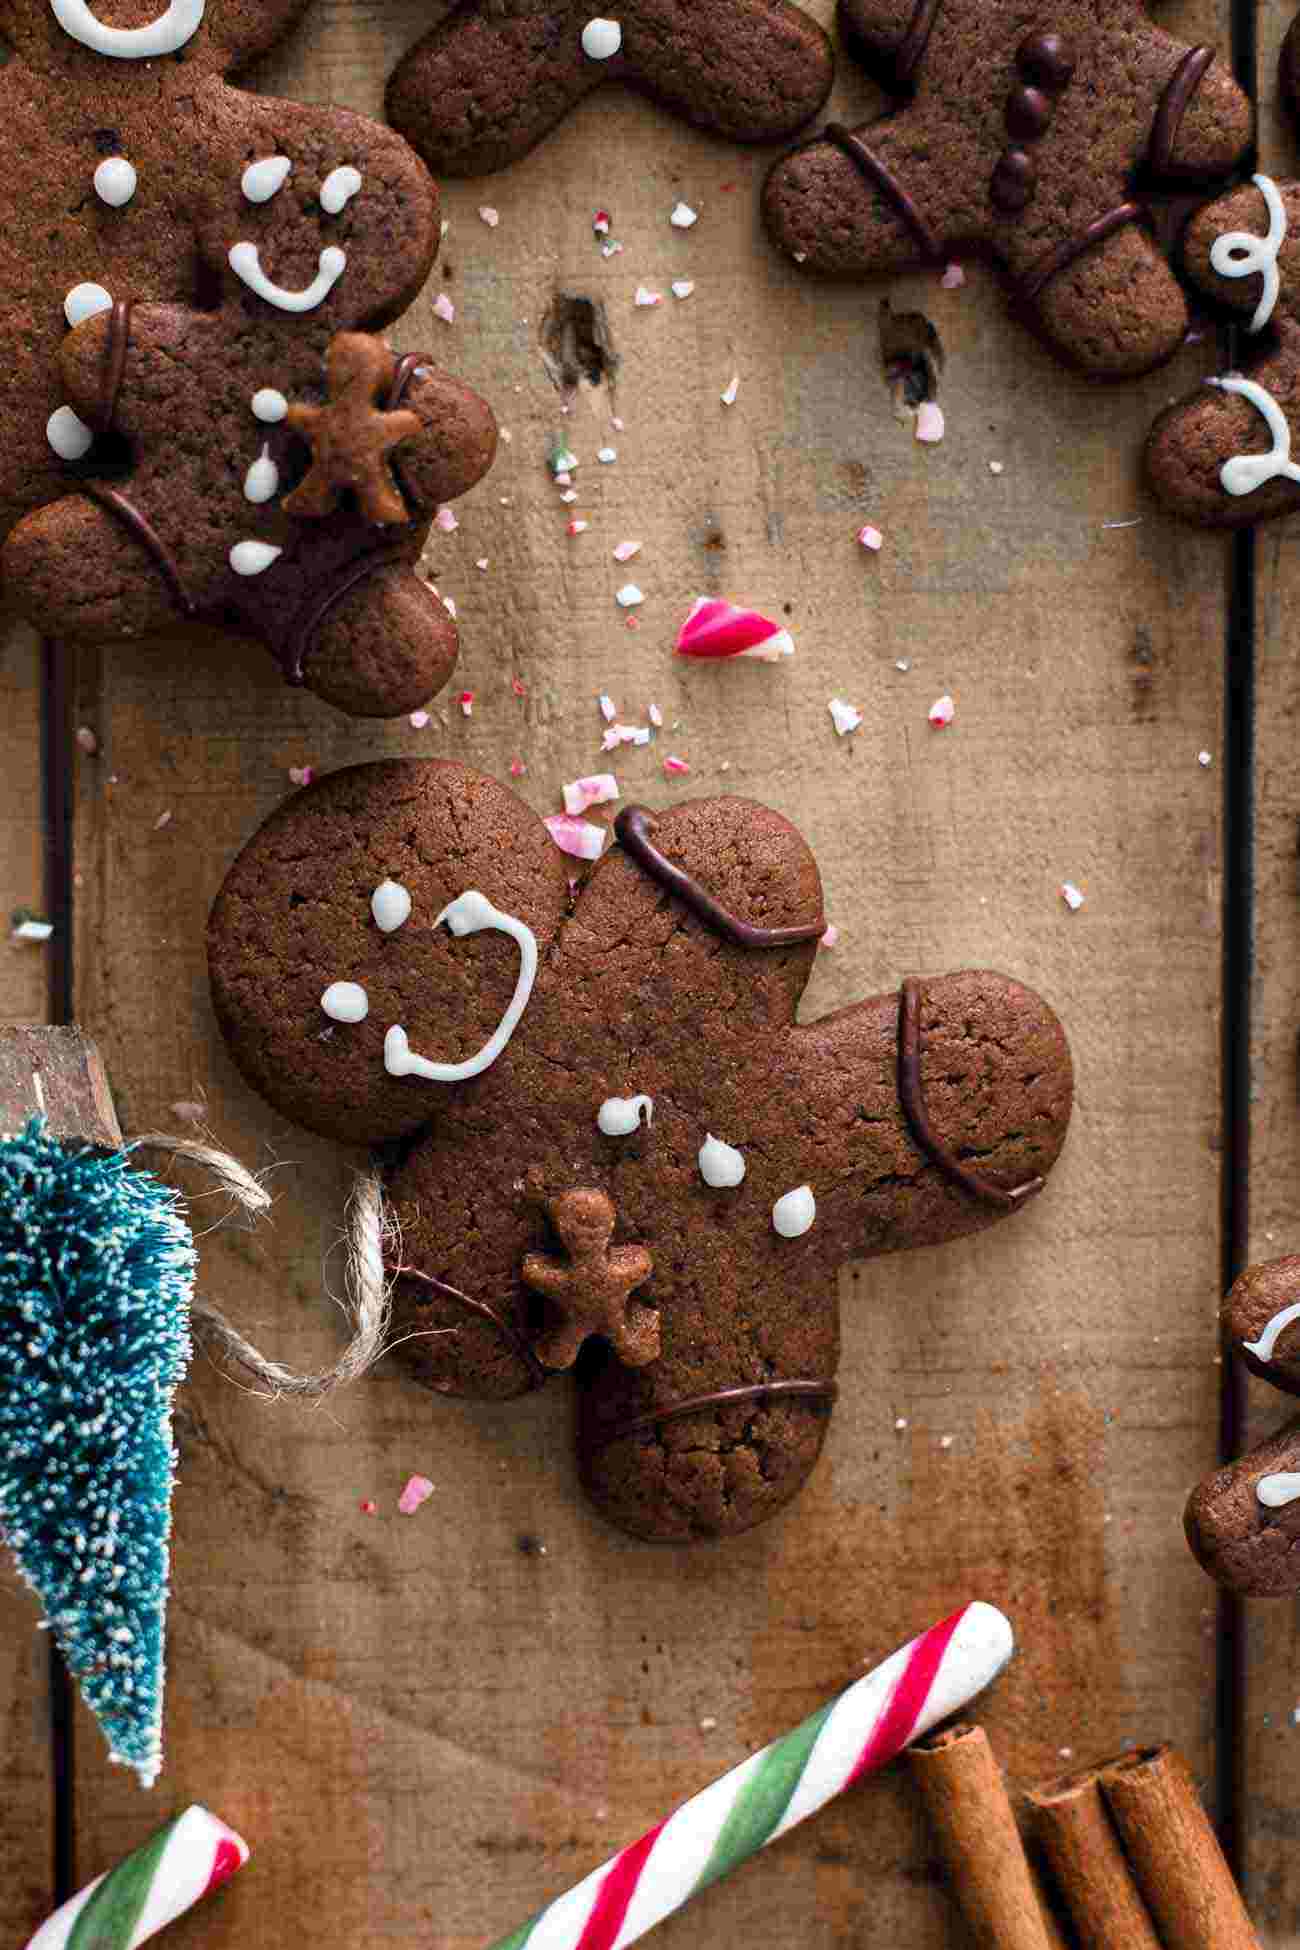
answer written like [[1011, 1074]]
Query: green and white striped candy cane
[[182, 1863], [767, 1794]]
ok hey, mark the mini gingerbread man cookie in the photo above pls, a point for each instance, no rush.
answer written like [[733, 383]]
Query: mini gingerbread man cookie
[[616, 1136], [490, 81], [1025, 134], [1243, 1521], [139, 176]]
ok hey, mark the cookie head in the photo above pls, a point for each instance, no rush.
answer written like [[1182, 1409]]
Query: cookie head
[[73, 38]]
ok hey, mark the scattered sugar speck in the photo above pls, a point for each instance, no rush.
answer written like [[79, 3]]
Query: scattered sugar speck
[[903, 663], [26, 927], [683, 217], [708, 1723], [1071, 895], [996, 467], [945, 1442], [1204, 759], [607, 456], [482, 563], [569, 496], [418, 1490], [617, 424], [929, 422], [900, 1422], [449, 604], [580, 838], [444, 309]]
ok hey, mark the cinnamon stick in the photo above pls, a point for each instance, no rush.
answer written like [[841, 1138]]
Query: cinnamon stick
[[1070, 1822], [967, 1801], [1175, 1853]]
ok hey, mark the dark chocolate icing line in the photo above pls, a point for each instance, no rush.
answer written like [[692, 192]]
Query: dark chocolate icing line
[[817, 1391], [403, 372], [1182, 85], [292, 654], [911, 1094], [633, 829], [115, 350], [913, 44], [147, 535], [537, 1374], [887, 183], [1062, 256]]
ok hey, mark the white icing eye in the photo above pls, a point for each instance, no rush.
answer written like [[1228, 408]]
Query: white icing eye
[[177, 23], [116, 182], [621, 1116], [1275, 1492], [339, 188], [391, 906], [345, 1002], [262, 481], [253, 558], [84, 301], [601, 39], [793, 1215], [270, 406], [265, 179], [69, 436], [721, 1165]]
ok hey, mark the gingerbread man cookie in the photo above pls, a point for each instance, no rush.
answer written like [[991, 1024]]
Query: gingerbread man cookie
[[1026, 133], [495, 76], [139, 177], [615, 1136], [1243, 1521]]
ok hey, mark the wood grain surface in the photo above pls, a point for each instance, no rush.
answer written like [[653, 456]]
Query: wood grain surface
[[427, 1725]]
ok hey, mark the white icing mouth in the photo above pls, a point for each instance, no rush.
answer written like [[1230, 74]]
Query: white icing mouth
[[1262, 1349], [246, 264], [470, 913], [179, 23], [1240, 253], [1246, 472]]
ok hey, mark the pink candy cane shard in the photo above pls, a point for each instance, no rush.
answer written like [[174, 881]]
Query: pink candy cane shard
[[718, 629]]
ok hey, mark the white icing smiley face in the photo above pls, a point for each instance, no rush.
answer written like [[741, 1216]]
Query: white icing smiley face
[[174, 26], [469, 913], [245, 262]]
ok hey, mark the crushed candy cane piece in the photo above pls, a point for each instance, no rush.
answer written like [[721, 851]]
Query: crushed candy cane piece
[[626, 550], [1071, 895], [577, 527], [831, 937], [716, 628], [444, 309], [683, 217], [577, 837], [564, 478], [870, 537], [675, 766], [1204, 759], [610, 740], [419, 719], [617, 424], [629, 596], [646, 297], [490, 216], [732, 390], [607, 456], [418, 1490], [596, 790], [612, 249], [482, 563], [87, 740], [903, 663], [368, 1506], [683, 287], [466, 702], [995, 467], [163, 819], [942, 712], [301, 775], [608, 708], [519, 687], [569, 496], [517, 768], [655, 715], [953, 277], [449, 604], [846, 718], [445, 519], [560, 460], [28, 928], [929, 422], [601, 222]]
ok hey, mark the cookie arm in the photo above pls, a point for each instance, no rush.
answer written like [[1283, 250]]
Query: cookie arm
[[869, 200], [756, 70]]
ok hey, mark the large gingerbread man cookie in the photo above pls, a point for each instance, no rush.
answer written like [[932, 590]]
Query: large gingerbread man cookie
[[139, 177], [1027, 133], [495, 76], [615, 1136]]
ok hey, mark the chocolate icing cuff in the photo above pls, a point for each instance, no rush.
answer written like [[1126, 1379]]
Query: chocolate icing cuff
[[811, 1391], [911, 1094], [633, 827], [537, 1374]]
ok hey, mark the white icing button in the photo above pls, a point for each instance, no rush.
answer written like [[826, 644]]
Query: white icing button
[[1275, 1492], [116, 181], [246, 265], [265, 179], [620, 1116], [84, 301], [175, 25], [601, 39], [69, 436], [253, 558], [391, 906], [262, 481], [270, 406], [721, 1165], [345, 1002], [793, 1215], [339, 188]]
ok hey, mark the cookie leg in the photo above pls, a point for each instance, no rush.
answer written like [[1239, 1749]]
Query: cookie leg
[[853, 204], [1243, 1522], [384, 648], [1111, 307], [81, 571], [757, 70]]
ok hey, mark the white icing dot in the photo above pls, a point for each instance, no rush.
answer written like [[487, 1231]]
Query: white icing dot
[[178, 23], [391, 906], [345, 1002], [601, 39], [621, 1116], [116, 181], [69, 435], [84, 300], [721, 1165], [339, 188], [253, 558], [793, 1215], [270, 406], [262, 481], [265, 179]]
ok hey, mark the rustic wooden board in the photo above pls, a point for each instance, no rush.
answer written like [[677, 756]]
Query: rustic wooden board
[[426, 1725]]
